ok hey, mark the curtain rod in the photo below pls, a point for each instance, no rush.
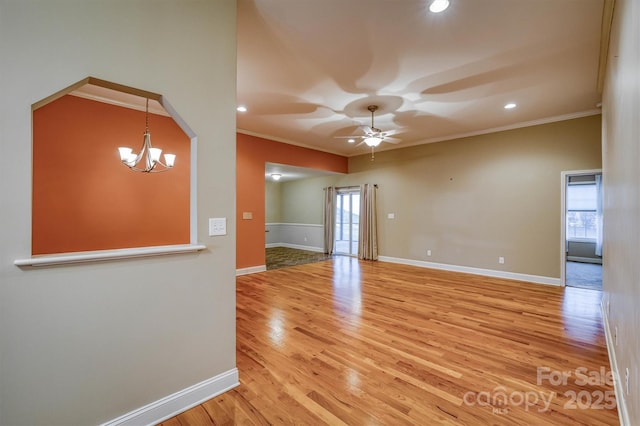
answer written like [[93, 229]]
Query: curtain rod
[[348, 187]]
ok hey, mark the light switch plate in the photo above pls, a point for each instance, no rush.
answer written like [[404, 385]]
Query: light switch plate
[[217, 226], [247, 215], [391, 216]]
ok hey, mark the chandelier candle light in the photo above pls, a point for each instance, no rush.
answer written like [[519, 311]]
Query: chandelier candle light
[[149, 154]]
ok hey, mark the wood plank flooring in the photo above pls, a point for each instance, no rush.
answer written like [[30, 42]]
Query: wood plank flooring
[[354, 342]]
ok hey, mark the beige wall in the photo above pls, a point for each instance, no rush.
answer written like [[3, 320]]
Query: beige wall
[[83, 344], [621, 177], [302, 199], [469, 200], [273, 202]]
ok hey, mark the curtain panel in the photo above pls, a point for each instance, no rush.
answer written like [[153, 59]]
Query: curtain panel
[[368, 238], [329, 219], [599, 215]]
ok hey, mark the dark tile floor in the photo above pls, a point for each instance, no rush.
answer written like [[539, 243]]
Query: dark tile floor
[[282, 257]]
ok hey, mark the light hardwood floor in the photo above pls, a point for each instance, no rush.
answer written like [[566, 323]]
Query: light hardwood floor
[[351, 342]]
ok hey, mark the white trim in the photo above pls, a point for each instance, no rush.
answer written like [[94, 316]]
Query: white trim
[[471, 270], [313, 225], [287, 141], [193, 168], [251, 270], [531, 123], [102, 255], [520, 125], [621, 402], [296, 246], [193, 191], [112, 101], [178, 402], [564, 176]]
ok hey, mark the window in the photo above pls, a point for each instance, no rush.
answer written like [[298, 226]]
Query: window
[[347, 221], [581, 210]]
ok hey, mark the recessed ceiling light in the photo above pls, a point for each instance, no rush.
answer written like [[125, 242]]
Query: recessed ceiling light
[[242, 108], [438, 6], [276, 176], [510, 105], [351, 140]]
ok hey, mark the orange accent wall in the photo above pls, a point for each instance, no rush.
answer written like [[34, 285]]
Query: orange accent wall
[[85, 199], [252, 154]]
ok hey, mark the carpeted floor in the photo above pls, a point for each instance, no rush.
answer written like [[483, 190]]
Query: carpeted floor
[[584, 275], [282, 257]]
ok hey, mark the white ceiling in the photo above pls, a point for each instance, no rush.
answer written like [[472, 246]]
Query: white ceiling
[[307, 70]]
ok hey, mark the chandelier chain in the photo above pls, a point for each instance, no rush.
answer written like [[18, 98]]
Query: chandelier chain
[[146, 117], [148, 155]]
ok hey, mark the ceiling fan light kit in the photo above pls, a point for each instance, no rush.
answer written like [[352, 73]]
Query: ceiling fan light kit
[[438, 6], [372, 135], [372, 141]]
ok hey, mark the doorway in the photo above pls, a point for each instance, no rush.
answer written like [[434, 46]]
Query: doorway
[[581, 260], [347, 221]]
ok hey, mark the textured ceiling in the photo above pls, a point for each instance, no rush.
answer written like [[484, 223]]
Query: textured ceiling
[[307, 70]]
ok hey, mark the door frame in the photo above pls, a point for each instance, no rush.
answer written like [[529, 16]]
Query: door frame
[[350, 190], [564, 177]]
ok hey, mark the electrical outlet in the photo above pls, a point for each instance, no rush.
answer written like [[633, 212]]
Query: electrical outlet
[[626, 380], [217, 226], [428, 252], [501, 260]]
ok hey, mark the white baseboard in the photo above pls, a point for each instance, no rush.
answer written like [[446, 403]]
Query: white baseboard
[[296, 246], [306, 225], [477, 271], [623, 412], [178, 402], [251, 270]]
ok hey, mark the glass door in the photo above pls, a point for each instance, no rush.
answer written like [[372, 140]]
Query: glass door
[[347, 222]]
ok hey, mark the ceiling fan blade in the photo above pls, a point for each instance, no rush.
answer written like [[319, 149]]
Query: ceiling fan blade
[[391, 140], [368, 130], [390, 132], [348, 137]]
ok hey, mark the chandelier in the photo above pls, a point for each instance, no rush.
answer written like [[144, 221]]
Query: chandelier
[[148, 159]]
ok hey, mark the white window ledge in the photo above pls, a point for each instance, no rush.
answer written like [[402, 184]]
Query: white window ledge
[[102, 255]]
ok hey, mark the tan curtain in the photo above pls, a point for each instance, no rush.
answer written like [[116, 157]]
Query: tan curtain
[[329, 218], [368, 241]]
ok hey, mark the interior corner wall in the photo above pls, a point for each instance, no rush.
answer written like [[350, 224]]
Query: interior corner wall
[[621, 178], [87, 343], [273, 202], [252, 154]]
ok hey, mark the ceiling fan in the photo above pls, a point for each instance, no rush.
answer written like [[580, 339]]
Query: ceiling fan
[[372, 135]]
